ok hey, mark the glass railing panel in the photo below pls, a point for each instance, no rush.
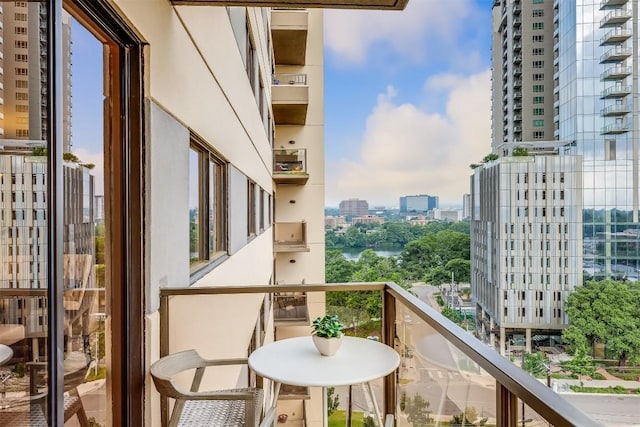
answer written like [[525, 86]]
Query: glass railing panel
[[438, 384], [290, 161]]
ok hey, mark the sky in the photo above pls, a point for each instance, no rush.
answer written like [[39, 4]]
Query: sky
[[407, 100]]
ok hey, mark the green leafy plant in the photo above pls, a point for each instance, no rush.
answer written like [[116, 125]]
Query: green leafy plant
[[327, 327]]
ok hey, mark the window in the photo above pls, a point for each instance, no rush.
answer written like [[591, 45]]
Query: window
[[21, 44], [538, 25], [538, 1], [538, 64], [538, 38], [538, 99], [20, 30], [538, 77], [537, 13], [22, 108], [251, 205], [22, 84], [538, 135], [538, 111], [538, 88], [538, 51], [538, 123], [21, 16], [22, 96], [22, 133], [20, 57], [22, 71], [207, 210]]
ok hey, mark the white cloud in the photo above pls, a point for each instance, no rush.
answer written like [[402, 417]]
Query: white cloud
[[424, 26], [406, 150]]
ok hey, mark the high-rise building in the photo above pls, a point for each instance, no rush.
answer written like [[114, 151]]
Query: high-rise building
[[354, 207], [466, 206], [522, 71], [584, 53], [419, 203]]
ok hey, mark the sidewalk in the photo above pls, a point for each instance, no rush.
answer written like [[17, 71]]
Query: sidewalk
[[563, 385]]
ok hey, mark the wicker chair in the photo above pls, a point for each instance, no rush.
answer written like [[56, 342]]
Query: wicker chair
[[193, 408]]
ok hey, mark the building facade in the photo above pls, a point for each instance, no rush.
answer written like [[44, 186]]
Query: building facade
[[526, 246], [418, 203], [354, 207]]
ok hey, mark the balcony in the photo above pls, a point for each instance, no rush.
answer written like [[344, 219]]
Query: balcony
[[290, 237], [517, 59], [289, 28], [615, 18], [517, 106], [517, 34], [615, 36], [615, 110], [517, 71], [517, 46], [290, 99], [616, 73], [618, 91], [615, 129], [330, 4], [439, 361], [517, 21], [604, 4], [290, 309], [517, 83], [617, 54], [290, 166]]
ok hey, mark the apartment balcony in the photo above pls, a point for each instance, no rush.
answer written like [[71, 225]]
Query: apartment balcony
[[517, 106], [618, 91], [517, 71], [290, 237], [615, 129], [517, 84], [616, 17], [289, 29], [604, 4], [439, 361], [331, 4], [290, 166], [517, 59], [615, 36], [517, 118], [517, 46], [517, 129], [290, 309], [615, 110], [517, 34], [517, 21], [517, 8], [290, 99], [616, 73], [617, 54]]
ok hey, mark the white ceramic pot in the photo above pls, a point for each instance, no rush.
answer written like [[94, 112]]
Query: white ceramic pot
[[327, 346]]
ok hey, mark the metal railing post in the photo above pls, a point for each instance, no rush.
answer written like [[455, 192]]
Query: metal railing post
[[506, 407], [388, 337]]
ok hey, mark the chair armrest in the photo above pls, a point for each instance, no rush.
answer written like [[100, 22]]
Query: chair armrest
[[226, 362]]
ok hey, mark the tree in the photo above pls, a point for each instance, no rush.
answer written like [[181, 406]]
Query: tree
[[451, 314], [520, 152], [489, 158], [369, 422], [580, 365], [605, 312], [535, 364], [417, 410], [461, 269], [337, 268], [332, 401], [70, 157]]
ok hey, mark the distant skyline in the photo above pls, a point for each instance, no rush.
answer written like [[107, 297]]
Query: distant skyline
[[407, 101]]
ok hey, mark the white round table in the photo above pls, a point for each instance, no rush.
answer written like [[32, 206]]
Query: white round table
[[6, 353], [296, 361]]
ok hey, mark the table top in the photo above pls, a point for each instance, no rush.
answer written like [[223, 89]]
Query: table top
[[296, 361], [6, 353]]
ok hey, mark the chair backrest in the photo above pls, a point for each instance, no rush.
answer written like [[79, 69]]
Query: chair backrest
[[164, 369]]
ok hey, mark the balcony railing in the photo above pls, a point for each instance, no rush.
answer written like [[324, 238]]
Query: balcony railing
[[290, 237], [440, 362], [615, 17], [616, 73], [616, 54], [615, 128], [615, 36], [612, 3], [615, 110], [290, 99], [290, 308], [618, 91], [290, 166]]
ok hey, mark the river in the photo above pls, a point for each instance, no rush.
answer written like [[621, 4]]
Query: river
[[354, 254]]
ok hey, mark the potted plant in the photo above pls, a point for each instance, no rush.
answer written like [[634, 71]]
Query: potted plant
[[327, 334]]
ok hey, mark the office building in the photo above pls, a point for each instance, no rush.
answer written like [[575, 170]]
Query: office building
[[354, 207], [466, 206], [590, 73], [419, 203], [526, 247], [452, 215]]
